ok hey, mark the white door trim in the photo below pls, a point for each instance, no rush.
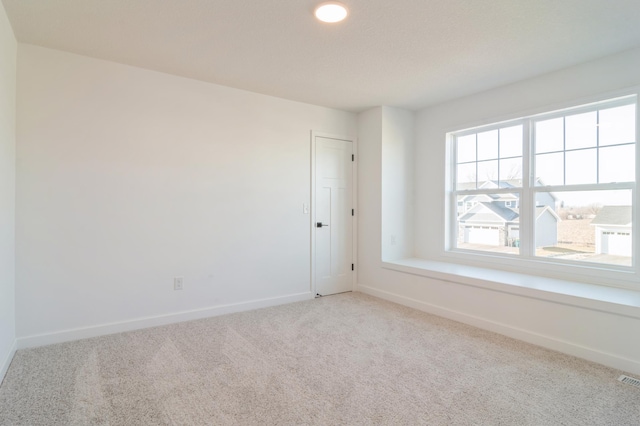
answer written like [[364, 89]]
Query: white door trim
[[354, 201]]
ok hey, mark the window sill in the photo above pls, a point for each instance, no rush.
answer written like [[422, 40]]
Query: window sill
[[590, 296]]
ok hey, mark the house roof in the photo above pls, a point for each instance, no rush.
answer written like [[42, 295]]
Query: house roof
[[490, 197], [490, 184], [500, 184], [492, 212], [489, 212], [541, 209], [613, 215]]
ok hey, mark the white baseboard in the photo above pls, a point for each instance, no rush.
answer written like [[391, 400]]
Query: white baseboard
[[600, 357], [139, 323], [7, 360]]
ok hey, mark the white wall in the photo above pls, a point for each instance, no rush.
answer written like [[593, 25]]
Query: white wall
[[369, 194], [127, 178], [589, 333], [397, 183], [8, 48]]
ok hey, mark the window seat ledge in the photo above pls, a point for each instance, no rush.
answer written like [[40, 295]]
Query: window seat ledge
[[613, 300]]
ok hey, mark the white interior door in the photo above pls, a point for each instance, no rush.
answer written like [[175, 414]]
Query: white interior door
[[333, 216]]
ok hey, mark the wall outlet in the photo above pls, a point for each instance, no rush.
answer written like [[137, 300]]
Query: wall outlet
[[177, 283]]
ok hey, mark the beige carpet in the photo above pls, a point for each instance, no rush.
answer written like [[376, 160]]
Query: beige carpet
[[348, 359]]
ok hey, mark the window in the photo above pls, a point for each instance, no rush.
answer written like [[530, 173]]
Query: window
[[557, 187]]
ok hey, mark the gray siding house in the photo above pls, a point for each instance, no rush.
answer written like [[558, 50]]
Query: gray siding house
[[494, 219]]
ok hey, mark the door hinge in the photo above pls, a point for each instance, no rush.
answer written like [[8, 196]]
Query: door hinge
[[353, 212], [353, 157], [352, 267]]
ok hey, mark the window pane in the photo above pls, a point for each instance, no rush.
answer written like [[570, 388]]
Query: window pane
[[590, 226], [549, 135], [466, 178], [581, 167], [488, 145], [618, 125], [550, 169], [511, 171], [489, 223], [584, 150], [617, 164], [581, 130], [466, 148], [511, 142], [487, 171]]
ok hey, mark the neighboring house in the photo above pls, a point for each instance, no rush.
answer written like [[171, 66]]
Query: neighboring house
[[613, 230], [494, 219], [546, 226], [505, 200], [491, 223]]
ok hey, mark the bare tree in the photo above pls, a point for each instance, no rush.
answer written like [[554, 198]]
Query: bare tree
[[593, 208], [515, 172], [491, 174]]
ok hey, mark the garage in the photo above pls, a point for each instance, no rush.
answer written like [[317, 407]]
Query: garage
[[486, 235], [616, 243]]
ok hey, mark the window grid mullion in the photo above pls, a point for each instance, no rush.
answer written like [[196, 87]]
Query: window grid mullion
[[526, 195], [564, 150], [498, 159], [476, 139]]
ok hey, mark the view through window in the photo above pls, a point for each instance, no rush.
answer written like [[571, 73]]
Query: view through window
[[555, 186]]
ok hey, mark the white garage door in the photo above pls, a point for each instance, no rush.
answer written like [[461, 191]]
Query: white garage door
[[486, 235], [616, 243]]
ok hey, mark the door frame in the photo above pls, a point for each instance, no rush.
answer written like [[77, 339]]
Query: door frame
[[354, 203]]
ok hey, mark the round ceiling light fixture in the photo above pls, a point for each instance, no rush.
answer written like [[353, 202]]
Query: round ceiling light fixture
[[331, 12]]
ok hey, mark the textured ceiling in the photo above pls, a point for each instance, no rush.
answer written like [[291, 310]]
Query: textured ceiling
[[407, 53]]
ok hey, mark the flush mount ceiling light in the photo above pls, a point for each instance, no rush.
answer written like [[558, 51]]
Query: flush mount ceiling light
[[331, 12]]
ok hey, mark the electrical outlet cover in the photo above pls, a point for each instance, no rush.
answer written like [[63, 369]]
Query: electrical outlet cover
[[177, 283]]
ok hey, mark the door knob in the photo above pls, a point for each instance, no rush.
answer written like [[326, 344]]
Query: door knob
[[320, 224]]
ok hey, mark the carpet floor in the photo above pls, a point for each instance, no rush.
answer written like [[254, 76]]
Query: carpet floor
[[348, 359]]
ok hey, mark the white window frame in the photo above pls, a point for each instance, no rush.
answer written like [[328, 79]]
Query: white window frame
[[606, 274]]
